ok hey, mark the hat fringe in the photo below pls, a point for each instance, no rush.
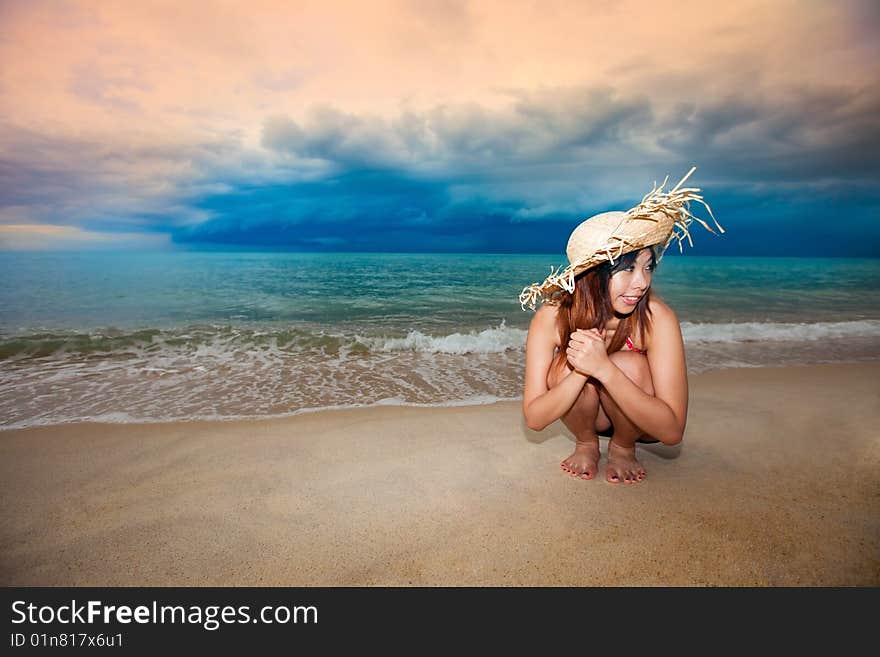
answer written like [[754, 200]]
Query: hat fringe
[[561, 278], [675, 204]]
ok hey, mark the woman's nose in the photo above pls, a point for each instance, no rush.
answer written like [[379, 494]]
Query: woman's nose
[[639, 280]]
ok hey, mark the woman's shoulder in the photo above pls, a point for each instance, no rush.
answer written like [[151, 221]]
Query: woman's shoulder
[[547, 311], [660, 310], [544, 321], [663, 318]]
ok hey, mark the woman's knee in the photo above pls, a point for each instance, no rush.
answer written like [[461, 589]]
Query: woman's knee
[[635, 367]]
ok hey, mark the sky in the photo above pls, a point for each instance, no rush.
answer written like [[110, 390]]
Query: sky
[[434, 126]]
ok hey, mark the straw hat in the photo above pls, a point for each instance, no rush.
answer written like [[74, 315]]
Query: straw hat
[[660, 218]]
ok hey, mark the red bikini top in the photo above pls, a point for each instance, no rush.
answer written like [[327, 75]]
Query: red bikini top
[[632, 347]]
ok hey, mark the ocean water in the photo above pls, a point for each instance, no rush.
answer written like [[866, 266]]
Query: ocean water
[[151, 337]]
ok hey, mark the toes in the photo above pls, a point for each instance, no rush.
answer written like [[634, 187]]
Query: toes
[[624, 473], [581, 468]]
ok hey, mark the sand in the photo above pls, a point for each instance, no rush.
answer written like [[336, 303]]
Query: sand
[[775, 483]]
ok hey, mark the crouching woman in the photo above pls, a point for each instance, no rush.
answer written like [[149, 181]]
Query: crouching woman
[[602, 354]]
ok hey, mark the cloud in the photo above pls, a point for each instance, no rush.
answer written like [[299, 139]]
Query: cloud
[[436, 124], [540, 127], [44, 237], [90, 83], [138, 181], [464, 176], [804, 134], [801, 134], [783, 163]]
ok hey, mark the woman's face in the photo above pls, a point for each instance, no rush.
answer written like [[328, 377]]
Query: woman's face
[[628, 285]]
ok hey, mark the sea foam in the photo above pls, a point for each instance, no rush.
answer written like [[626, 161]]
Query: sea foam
[[777, 331]]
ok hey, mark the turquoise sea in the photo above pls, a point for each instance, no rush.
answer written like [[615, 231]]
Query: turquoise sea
[[144, 337]]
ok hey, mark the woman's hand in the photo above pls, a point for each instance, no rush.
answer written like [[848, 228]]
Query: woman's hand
[[586, 352]]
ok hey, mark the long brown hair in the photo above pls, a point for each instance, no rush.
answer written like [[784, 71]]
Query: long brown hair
[[590, 307]]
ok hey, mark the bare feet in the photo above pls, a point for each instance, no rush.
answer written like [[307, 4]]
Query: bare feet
[[584, 463], [622, 465]]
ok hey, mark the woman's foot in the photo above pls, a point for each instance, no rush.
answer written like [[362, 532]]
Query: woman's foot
[[584, 463], [622, 465]]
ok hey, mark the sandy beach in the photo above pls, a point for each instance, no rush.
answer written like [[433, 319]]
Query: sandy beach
[[775, 483]]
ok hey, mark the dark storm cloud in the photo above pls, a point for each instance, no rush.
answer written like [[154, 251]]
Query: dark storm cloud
[[796, 170], [780, 171], [815, 134], [802, 136], [366, 210], [538, 129]]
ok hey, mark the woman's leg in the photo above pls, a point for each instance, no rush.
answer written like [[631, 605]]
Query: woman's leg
[[583, 419], [622, 463]]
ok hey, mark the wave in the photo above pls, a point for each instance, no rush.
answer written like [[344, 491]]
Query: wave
[[225, 341], [199, 339], [214, 373], [213, 340], [778, 331], [488, 341]]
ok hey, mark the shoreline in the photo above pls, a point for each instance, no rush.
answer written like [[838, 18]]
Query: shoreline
[[394, 405], [463, 495]]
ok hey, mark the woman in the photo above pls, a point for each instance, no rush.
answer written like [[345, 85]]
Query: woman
[[601, 353]]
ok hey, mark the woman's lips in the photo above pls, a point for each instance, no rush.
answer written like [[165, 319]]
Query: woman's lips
[[630, 301]]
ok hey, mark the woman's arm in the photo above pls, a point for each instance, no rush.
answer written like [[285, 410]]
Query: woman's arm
[[664, 415], [540, 406]]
